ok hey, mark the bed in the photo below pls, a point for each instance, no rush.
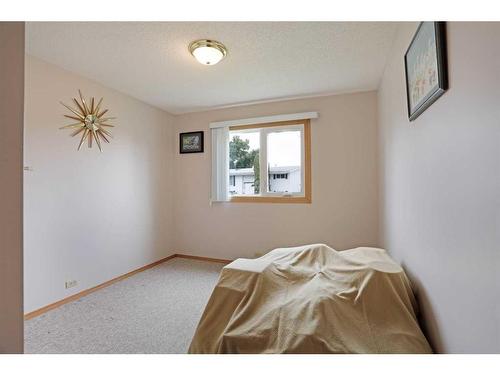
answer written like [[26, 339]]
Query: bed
[[311, 299]]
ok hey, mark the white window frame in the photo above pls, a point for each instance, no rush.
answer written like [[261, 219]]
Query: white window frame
[[264, 172], [304, 196]]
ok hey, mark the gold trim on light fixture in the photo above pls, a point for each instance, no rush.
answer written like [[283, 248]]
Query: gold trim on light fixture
[[193, 46], [90, 121]]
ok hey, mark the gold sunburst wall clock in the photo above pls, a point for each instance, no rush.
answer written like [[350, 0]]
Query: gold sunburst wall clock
[[91, 121]]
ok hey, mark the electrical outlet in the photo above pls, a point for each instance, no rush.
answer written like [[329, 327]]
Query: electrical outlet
[[70, 284]]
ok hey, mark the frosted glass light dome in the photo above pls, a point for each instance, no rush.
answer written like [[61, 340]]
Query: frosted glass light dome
[[207, 52]]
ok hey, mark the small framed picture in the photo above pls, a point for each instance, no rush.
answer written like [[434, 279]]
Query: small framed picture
[[191, 142], [426, 67]]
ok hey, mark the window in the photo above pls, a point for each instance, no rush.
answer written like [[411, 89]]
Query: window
[[270, 162], [278, 176], [244, 154]]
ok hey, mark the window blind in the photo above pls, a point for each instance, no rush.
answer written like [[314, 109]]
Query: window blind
[[220, 164]]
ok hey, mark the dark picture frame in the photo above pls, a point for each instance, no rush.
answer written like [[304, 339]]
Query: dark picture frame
[[426, 70], [191, 142]]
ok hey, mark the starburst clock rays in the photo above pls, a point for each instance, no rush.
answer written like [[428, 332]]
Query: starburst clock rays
[[91, 121]]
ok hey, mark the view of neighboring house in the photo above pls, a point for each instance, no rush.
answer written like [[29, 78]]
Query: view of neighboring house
[[281, 180]]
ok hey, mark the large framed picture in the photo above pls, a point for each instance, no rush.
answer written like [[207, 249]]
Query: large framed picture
[[426, 67], [191, 142]]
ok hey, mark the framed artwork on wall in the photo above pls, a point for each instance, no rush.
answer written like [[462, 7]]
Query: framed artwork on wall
[[191, 142], [426, 68]]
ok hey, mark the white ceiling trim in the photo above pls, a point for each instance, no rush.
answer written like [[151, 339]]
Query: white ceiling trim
[[275, 100]]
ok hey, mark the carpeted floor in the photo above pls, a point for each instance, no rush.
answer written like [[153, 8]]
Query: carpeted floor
[[155, 311]]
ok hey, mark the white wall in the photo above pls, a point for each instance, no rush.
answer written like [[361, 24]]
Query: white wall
[[440, 178], [91, 216], [344, 208], [11, 186]]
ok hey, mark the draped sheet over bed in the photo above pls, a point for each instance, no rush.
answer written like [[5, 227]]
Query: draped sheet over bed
[[311, 299]]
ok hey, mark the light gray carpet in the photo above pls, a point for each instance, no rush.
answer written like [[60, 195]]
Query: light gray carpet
[[155, 311]]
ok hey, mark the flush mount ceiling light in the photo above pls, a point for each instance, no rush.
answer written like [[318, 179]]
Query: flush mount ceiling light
[[207, 52]]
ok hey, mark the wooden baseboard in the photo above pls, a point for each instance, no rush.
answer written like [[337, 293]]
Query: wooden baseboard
[[85, 292], [195, 257]]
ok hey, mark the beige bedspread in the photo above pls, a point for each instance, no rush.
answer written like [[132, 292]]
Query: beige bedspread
[[311, 299]]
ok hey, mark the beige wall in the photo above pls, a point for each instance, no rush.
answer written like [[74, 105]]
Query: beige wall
[[440, 178], [91, 216], [11, 186], [344, 211]]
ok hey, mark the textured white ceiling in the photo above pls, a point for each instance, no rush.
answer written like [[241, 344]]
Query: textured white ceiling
[[266, 60]]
